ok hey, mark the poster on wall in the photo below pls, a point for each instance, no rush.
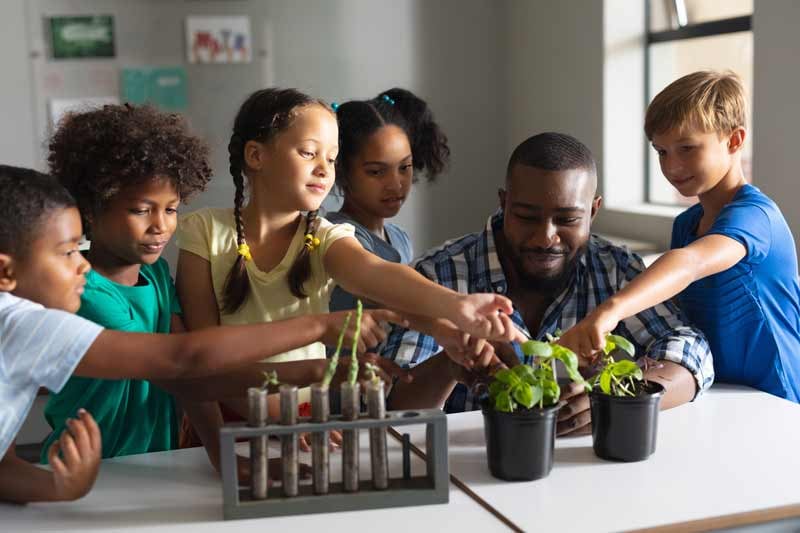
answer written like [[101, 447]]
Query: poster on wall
[[218, 39], [82, 37], [61, 106], [164, 87]]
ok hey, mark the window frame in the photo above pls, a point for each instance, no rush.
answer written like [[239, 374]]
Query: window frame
[[689, 31]]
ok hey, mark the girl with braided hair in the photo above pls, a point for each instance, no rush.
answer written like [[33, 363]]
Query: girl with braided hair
[[275, 257]]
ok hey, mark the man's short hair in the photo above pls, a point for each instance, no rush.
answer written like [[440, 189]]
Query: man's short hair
[[552, 151], [704, 101]]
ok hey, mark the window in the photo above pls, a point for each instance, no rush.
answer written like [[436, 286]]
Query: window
[[684, 36]]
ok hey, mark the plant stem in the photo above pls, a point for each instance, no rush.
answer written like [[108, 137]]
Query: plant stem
[[353, 375], [334, 361]]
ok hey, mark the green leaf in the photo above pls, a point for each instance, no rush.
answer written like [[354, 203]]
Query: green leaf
[[523, 395], [523, 371], [536, 393], [495, 387], [503, 402], [536, 348], [551, 392], [609, 347], [507, 376], [622, 343], [625, 368], [605, 381]]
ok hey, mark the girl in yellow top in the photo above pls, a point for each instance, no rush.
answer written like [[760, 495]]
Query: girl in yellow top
[[268, 260]]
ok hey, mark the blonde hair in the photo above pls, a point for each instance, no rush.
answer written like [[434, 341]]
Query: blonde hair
[[707, 101]]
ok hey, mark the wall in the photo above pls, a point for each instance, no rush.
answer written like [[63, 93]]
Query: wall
[[17, 139], [555, 64], [336, 50], [494, 73], [776, 115]]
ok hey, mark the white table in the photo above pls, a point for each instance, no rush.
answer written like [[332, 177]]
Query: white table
[[179, 491], [733, 451]]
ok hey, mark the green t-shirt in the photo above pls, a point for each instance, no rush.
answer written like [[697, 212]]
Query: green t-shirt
[[134, 416]]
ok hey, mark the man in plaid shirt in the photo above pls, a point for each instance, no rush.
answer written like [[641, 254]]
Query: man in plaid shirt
[[537, 249]]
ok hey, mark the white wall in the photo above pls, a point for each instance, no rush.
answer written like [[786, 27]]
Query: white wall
[[17, 140], [555, 65], [494, 73], [776, 114], [449, 52]]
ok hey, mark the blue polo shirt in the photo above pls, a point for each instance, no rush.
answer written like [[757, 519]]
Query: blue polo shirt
[[750, 313]]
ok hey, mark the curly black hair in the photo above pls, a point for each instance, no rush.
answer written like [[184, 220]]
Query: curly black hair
[[29, 198], [358, 120], [97, 153]]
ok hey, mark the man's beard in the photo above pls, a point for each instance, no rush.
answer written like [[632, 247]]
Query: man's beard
[[548, 285]]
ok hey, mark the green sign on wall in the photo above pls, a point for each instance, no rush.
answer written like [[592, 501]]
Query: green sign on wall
[[82, 36]]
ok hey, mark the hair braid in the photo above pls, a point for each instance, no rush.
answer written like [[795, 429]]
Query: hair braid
[[237, 284], [301, 268]]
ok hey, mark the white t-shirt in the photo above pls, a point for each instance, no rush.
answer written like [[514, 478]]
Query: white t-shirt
[[38, 348]]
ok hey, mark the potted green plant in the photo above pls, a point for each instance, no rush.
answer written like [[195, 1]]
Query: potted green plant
[[624, 406], [520, 413]]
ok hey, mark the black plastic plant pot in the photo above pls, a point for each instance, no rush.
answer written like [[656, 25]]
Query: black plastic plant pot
[[624, 428], [519, 445]]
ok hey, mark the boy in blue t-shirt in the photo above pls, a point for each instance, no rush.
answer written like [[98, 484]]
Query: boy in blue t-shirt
[[733, 264]]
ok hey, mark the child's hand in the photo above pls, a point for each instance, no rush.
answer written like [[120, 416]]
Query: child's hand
[[334, 442], [81, 448], [468, 351], [588, 337], [372, 328], [486, 316]]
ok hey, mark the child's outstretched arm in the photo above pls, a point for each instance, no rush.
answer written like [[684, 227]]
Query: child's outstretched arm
[[402, 288], [73, 473], [119, 354], [668, 276]]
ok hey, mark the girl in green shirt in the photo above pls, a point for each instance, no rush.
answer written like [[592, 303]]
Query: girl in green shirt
[[129, 168]]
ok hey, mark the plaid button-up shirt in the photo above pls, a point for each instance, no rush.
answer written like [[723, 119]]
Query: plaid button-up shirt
[[470, 264]]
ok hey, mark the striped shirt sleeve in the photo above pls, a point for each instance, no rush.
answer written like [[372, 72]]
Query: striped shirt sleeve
[[43, 346]]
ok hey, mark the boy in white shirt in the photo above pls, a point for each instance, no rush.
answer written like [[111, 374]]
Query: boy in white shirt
[[42, 343]]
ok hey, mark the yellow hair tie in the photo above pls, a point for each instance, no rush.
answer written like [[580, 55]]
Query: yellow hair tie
[[244, 251], [311, 242]]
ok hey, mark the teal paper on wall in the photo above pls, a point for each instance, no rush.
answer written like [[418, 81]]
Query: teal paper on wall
[[164, 87]]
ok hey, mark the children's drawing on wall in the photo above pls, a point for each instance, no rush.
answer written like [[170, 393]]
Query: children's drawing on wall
[[218, 39]]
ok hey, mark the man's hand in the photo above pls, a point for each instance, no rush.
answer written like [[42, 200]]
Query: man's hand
[[575, 418], [81, 447], [372, 327]]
